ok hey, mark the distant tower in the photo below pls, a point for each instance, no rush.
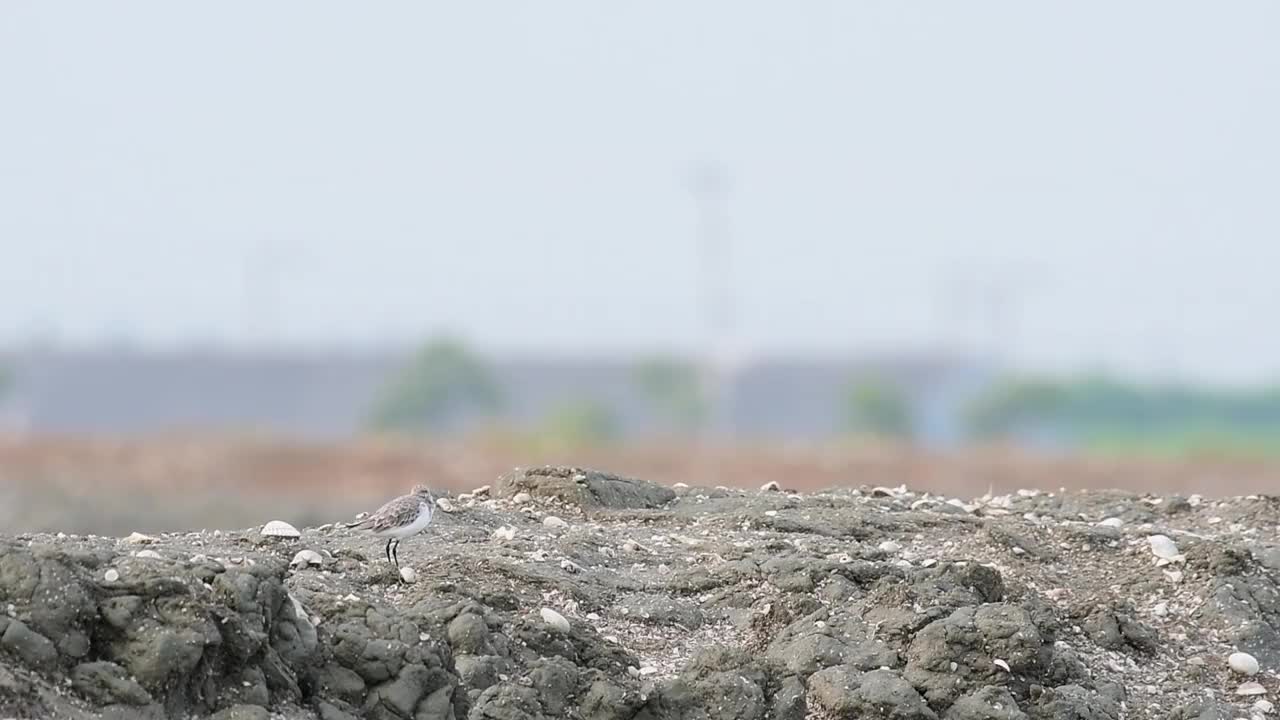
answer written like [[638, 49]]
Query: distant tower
[[715, 296]]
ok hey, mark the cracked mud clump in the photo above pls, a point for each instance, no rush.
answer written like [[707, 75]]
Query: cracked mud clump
[[642, 602]]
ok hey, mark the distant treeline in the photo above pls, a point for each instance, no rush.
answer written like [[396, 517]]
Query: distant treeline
[[1103, 412]]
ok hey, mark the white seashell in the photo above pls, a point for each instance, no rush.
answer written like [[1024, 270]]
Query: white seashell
[[445, 505], [306, 558], [569, 566], [889, 546], [505, 532], [771, 513], [408, 574], [555, 620], [1174, 576], [1243, 663], [1002, 665], [482, 490], [280, 528], [522, 498], [680, 486], [1112, 522], [554, 522], [930, 562], [151, 554], [1251, 688], [771, 486], [112, 575], [1264, 706], [138, 538], [1163, 548]]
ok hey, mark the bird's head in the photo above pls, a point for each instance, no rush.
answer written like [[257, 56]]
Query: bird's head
[[424, 492]]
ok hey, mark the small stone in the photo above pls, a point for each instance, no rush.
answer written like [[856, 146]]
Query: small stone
[[446, 505], [1002, 665], [138, 538], [771, 513], [408, 574], [928, 562], [1174, 576], [1161, 609], [306, 558], [506, 532], [1264, 706], [1243, 663], [569, 566], [555, 620], [1163, 548], [522, 498], [1251, 688], [648, 670], [112, 575], [482, 490], [771, 486], [889, 546], [149, 554], [280, 529], [552, 521], [1112, 522]]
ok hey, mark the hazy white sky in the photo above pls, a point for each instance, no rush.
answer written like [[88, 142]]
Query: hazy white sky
[[519, 172]]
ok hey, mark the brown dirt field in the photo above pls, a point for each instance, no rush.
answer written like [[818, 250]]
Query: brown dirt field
[[113, 485]]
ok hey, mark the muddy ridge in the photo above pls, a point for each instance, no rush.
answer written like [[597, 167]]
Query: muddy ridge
[[570, 593]]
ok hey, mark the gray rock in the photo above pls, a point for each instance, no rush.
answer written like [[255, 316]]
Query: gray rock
[[973, 639], [242, 712], [105, 683], [847, 693], [507, 701], [1072, 702], [588, 489], [988, 703], [1118, 629], [29, 646], [607, 701], [468, 633]]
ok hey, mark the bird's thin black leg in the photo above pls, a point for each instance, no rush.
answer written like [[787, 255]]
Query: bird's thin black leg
[[395, 552], [389, 541]]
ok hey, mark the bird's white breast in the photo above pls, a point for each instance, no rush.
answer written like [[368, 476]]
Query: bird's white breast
[[415, 527]]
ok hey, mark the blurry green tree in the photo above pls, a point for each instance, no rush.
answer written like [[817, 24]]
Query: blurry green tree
[[443, 379], [877, 406], [578, 423], [673, 389], [1098, 411]]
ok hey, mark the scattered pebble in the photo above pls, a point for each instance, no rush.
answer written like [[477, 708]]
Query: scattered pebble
[[112, 575], [138, 538], [1251, 688], [408, 574], [771, 486], [522, 498], [555, 620], [1264, 706], [281, 529], [445, 505], [149, 554], [1112, 522], [889, 546], [306, 558], [1243, 663], [482, 490], [1164, 548], [552, 521], [506, 532], [1002, 665]]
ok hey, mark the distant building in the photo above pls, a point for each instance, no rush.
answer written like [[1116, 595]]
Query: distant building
[[329, 396]]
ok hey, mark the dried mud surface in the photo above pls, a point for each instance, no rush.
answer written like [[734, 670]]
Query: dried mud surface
[[687, 603]]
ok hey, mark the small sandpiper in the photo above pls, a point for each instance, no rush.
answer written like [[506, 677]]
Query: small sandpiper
[[403, 517]]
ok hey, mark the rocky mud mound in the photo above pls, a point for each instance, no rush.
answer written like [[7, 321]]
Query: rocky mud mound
[[567, 593]]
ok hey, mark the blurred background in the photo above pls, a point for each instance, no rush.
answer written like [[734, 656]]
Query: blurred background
[[286, 260]]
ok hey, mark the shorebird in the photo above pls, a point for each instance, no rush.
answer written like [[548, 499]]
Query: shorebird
[[400, 518]]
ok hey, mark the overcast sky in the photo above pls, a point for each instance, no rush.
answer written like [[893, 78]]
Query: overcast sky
[[520, 172]]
